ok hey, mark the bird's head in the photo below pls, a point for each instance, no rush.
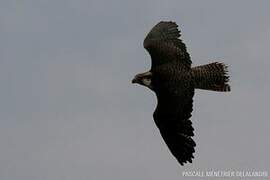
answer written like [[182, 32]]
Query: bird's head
[[144, 79]]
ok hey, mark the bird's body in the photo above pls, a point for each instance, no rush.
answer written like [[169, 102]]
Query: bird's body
[[173, 80]]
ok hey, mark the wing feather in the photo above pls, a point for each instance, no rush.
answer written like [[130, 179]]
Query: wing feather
[[172, 116], [164, 45]]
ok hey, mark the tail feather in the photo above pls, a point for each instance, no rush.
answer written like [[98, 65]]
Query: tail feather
[[213, 76]]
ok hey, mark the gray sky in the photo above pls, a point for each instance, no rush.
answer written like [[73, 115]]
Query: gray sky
[[68, 109]]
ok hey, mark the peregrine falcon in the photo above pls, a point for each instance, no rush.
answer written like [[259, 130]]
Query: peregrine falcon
[[174, 81]]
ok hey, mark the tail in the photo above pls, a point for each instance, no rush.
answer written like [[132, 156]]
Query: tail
[[213, 76]]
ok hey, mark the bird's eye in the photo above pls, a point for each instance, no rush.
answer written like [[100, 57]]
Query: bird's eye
[[147, 81]]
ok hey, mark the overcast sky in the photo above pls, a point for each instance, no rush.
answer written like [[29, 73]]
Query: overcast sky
[[68, 109]]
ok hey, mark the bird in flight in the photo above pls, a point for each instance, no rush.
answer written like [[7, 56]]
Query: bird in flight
[[174, 81]]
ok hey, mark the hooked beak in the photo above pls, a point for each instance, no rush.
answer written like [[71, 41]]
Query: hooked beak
[[134, 80]]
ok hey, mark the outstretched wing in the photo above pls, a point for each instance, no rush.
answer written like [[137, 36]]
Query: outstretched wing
[[164, 45], [172, 118]]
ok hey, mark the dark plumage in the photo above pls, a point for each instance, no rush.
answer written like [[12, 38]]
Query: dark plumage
[[174, 81]]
